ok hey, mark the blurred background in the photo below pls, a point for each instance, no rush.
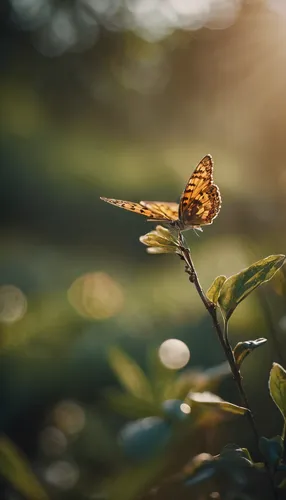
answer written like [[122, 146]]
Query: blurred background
[[122, 98]]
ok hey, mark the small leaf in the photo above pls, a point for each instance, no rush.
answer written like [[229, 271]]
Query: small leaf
[[277, 387], [210, 400], [130, 374], [166, 233], [234, 453], [161, 240], [242, 349], [247, 454], [214, 290], [239, 286], [15, 468], [161, 249], [271, 449]]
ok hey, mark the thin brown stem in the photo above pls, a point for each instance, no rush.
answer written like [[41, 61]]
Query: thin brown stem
[[224, 341]]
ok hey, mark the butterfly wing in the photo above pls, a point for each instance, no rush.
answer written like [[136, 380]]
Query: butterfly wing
[[152, 210], [200, 202], [165, 209]]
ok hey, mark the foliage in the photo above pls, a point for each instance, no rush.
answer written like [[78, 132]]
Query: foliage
[[151, 436], [16, 469]]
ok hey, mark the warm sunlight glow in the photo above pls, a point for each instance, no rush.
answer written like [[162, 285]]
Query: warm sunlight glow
[[174, 354]]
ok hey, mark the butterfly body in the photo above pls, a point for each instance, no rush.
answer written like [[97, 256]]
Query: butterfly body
[[199, 204]]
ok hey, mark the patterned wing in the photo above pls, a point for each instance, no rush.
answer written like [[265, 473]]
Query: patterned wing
[[165, 209], [200, 202], [148, 208]]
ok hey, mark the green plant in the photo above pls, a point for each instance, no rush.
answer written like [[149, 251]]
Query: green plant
[[142, 401]]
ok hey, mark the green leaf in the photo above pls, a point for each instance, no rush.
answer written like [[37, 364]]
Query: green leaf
[[131, 406], [145, 438], [200, 469], [130, 374], [214, 290], [282, 485], [242, 349], [161, 249], [277, 387], [161, 240], [209, 400], [131, 482], [162, 379], [15, 468], [239, 286], [235, 454], [272, 449]]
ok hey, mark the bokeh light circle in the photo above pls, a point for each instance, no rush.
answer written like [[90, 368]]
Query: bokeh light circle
[[52, 441], [62, 474], [185, 408], [13, 304], [96, 295], [69, 416], [174, 354]]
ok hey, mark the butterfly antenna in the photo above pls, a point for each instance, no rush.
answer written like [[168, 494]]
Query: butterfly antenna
[[196, 231]]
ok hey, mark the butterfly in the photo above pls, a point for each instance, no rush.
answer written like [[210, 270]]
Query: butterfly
[[199, 204]]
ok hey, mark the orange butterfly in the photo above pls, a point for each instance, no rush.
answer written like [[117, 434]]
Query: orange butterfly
[[199, 204]]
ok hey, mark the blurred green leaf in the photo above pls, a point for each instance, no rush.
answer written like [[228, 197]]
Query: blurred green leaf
[[133, 481], [239, 286], [181, 386], [214, 290], [277, 388], [15, 468], [246, 454], [162, 379], [145, 438], [131, 406], [130, 374], [200, 469], [235, 454], [242, 349], [210, 400], [271, 449], [282, 485]]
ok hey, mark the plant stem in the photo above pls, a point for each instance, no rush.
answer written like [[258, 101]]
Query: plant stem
[[224, 341], [222, 335], [238, 379]]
